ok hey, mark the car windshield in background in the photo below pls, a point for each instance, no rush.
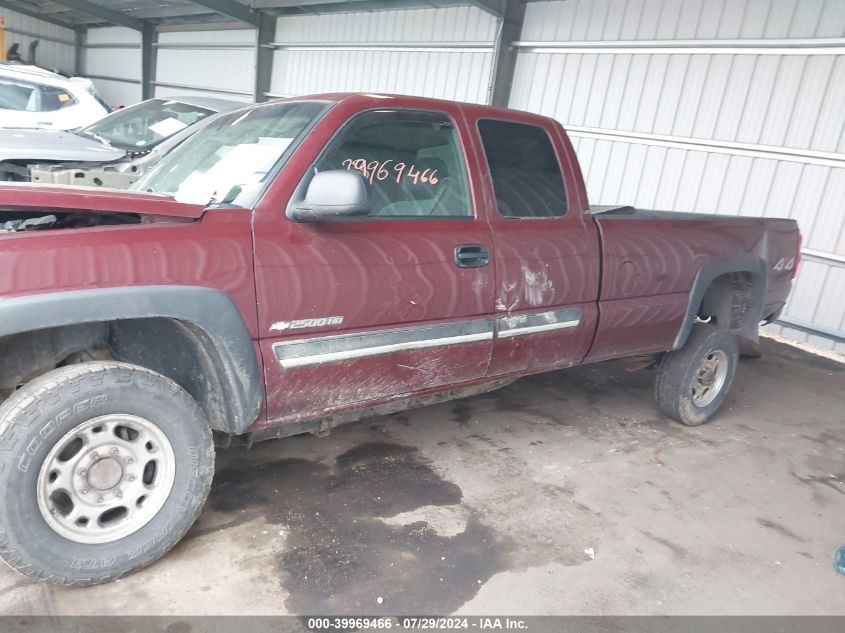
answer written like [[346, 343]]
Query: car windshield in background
[[145, 125], [230, 159]]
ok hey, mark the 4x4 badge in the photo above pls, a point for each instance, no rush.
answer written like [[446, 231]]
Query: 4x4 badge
[[785, 263]]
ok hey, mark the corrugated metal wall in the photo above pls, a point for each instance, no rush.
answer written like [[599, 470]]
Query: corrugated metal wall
[[56, 44], [743, 113], [446, 53], [217, 63], [213, 63], [724, 106], [114, 52]]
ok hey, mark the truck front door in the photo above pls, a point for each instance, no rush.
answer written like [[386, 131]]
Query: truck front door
[[396, 301]]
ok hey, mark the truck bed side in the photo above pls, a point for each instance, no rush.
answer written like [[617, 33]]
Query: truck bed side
[[662, 269]]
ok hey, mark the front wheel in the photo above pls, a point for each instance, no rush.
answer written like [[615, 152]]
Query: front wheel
[[693, 382], [103, 468]]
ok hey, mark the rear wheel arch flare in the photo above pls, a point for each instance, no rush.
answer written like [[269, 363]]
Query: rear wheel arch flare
[[719, 270]]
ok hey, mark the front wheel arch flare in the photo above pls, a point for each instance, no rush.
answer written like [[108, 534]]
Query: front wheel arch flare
[[209, 313]]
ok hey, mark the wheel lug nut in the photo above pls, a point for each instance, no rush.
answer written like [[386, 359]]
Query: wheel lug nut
[[130, 461], [94, 455], [82, 472], [85, 491], [131, 477], [119, 494], [115, 451], [99, 499]]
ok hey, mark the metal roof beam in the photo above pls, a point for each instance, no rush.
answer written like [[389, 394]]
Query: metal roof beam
[[232, 9], [293, 4], [494, 7], [35, 14], [355, 6], [103, 13], [288, 7], [181, 11]]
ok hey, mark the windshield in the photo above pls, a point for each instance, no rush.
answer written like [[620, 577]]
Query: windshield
[[229, 160], [143, 126]]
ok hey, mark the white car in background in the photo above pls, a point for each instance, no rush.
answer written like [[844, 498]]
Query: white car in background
[[31, 97]]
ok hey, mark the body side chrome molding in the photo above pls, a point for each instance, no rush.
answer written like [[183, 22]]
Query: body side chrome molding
[[327, 349], [520, 324]]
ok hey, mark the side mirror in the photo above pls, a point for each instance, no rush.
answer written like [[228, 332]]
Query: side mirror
[[333, 195]]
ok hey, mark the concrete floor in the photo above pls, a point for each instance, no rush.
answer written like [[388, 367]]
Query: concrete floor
[[563, 493]]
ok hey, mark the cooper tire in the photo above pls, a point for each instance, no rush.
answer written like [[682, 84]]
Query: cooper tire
[[693, 382], [41, 415]]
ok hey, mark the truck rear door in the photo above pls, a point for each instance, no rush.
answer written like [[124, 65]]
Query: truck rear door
[[395, 302], [546, 248]]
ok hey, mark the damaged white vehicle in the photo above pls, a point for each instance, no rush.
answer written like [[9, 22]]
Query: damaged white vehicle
[[31, 97], [113, 152]]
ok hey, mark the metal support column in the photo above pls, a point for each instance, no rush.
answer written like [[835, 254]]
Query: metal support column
[[505, 56], [79, 40], [149, 53], [265, 33]]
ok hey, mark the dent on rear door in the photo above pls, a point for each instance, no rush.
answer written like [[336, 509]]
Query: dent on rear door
[[546, 251]]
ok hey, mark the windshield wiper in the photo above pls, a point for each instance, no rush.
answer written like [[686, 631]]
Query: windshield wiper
[[96, 137]]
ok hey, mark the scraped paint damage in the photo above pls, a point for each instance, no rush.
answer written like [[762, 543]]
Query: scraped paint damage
[[536, 285]]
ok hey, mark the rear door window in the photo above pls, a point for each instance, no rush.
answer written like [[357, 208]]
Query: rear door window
[[25, 96], [524, 169]]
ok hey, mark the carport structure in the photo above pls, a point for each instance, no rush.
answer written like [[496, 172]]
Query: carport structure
[[714, 106], [142, 22]]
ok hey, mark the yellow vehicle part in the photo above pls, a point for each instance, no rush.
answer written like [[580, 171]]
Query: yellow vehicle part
[[3, 39]]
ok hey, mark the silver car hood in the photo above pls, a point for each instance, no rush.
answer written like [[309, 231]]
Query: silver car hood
[[54, 146]]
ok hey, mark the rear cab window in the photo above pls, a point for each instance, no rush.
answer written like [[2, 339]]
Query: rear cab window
[[411, 160], [524, 169]]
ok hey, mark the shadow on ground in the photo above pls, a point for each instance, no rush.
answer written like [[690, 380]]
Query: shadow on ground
[[340, 555]]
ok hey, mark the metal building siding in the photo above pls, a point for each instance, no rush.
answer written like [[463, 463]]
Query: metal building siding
[[737, 131], [170, 91], [115, 52], [222, 61], [607, 20], [445, 53], [55, 52]]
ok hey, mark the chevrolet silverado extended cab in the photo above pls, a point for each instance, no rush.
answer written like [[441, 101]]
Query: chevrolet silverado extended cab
[[306, 262]]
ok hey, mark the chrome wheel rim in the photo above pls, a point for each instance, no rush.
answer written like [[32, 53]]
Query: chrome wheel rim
[[709, 378], [106, 478]]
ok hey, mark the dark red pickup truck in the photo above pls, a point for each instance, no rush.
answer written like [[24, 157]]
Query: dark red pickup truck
[[302, 263]]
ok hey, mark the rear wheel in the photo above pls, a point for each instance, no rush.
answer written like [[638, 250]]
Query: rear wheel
[[693, 382], [103, 467]]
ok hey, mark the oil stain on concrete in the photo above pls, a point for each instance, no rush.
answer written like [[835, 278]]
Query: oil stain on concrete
[[339, 555]]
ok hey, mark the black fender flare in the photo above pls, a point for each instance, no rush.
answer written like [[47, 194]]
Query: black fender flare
[[210, 310], [714, 268]]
